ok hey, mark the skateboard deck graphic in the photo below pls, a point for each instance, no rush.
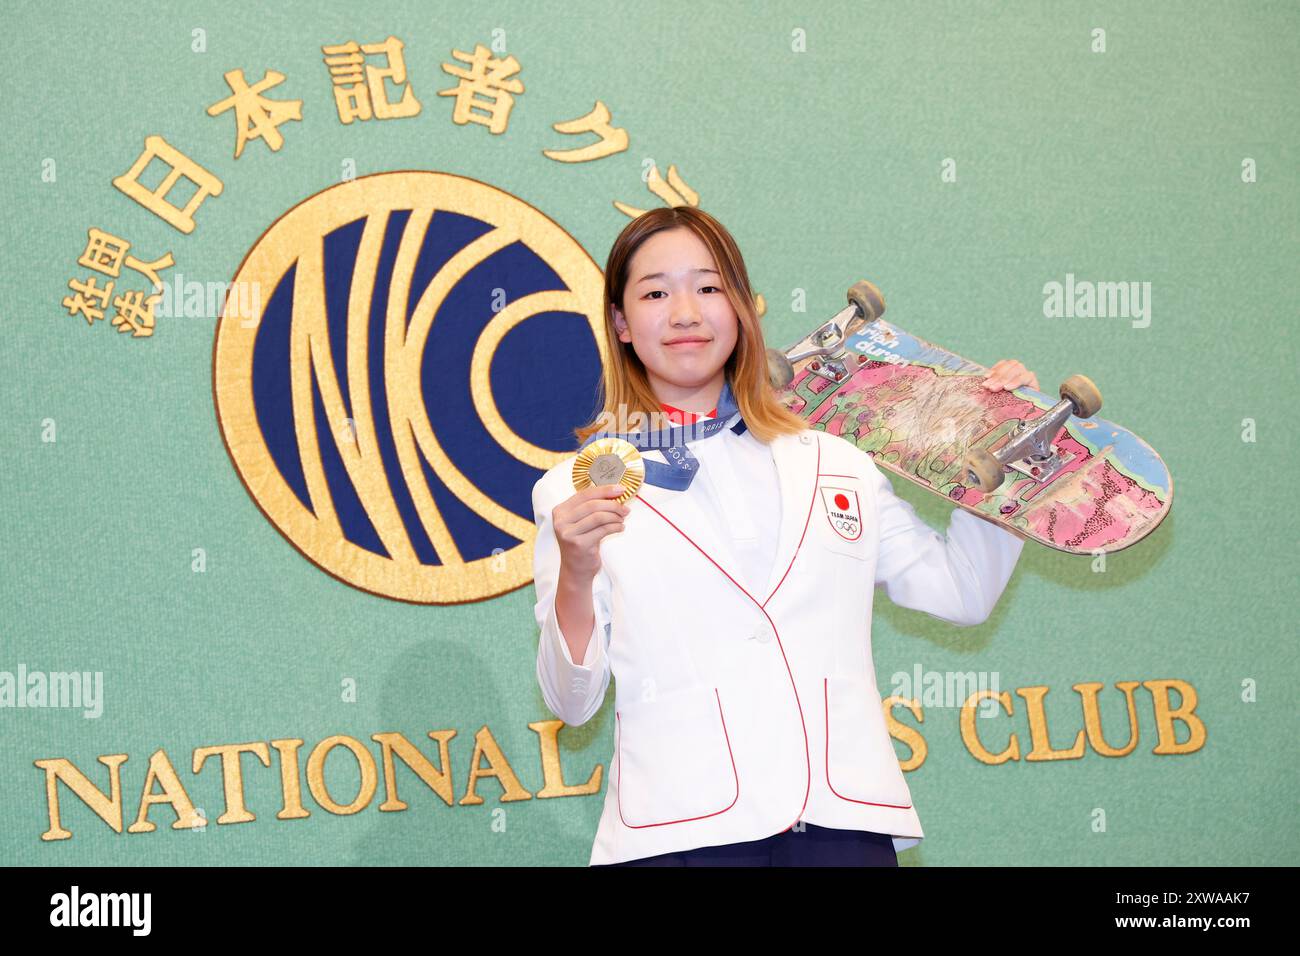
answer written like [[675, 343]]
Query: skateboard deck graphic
[[918, 409]]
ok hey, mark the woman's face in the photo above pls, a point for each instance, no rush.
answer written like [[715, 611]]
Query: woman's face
[[676, 315]]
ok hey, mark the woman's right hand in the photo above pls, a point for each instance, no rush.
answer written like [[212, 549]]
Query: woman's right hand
[[581, 522]]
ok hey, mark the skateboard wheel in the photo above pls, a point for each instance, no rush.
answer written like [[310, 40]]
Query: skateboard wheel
[[868, 300], [985, 469], [1080, 392], [779, 370]]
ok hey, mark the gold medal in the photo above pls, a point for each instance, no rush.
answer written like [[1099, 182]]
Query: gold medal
[[610, 461]]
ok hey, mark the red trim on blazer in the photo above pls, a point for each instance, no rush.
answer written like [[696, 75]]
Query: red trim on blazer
[[826, 699], [763, 607], [642, 826]]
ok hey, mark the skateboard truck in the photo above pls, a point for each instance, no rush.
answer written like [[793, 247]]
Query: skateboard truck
[[826, 343], [1029, 449]]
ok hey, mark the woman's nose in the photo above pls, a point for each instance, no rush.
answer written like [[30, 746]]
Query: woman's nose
[[687, 313]]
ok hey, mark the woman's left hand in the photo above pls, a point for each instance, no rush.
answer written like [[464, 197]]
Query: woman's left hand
[[1009, 374]]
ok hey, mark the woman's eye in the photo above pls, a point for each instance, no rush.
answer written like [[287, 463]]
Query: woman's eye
[[654, 292]]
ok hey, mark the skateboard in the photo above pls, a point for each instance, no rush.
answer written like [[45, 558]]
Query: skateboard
[[1046, 469]]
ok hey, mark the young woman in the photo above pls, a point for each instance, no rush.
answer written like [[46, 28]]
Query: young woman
[[731, 596]]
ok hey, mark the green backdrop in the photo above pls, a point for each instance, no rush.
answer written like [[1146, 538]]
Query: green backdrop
[[820, 135]]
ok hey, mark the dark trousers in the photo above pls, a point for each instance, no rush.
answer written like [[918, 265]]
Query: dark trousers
[[815, 846]]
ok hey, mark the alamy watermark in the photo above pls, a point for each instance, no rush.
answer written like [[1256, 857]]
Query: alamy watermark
[[946, 688], [192, 299], [36, 689], [75, 908], [1098, 300]]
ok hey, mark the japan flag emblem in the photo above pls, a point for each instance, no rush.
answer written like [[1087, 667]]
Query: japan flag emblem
[[843, 511]]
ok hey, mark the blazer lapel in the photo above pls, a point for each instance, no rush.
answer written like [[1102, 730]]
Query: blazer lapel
[[681, 511], [797, 460], [796, 463]]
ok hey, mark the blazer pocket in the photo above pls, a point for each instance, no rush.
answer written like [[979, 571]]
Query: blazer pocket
[[861, 766], [674, 759]]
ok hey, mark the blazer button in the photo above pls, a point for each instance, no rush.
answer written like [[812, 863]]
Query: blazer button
[[805, 437], [761, 634]]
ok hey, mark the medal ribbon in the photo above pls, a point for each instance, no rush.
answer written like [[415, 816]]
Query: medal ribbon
[[681, 466]]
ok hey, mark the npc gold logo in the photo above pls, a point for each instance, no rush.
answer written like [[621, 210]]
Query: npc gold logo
[[368, 402]]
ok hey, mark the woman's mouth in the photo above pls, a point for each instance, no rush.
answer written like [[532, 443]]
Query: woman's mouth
[[688, 343]]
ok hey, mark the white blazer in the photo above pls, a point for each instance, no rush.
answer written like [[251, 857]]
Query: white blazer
[[738, 714]]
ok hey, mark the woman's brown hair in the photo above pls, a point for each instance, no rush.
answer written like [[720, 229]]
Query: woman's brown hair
[[624, 382]]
